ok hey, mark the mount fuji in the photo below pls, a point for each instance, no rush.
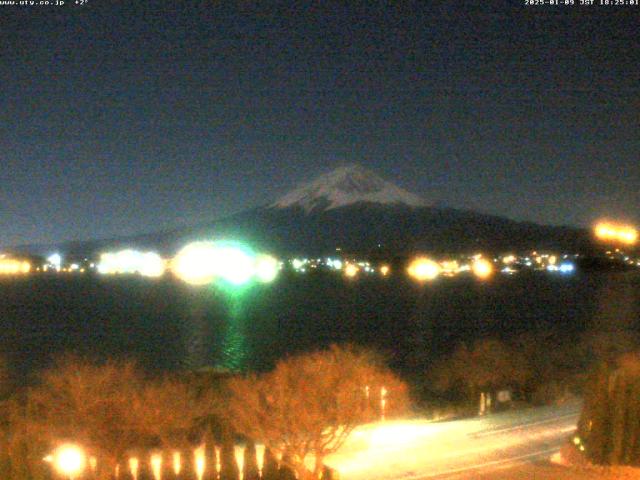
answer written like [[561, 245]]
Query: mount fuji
[[346, 186], [355, 210]]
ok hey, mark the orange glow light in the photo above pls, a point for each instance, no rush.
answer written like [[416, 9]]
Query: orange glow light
[[423, 269], [482, 268], [612, 232]]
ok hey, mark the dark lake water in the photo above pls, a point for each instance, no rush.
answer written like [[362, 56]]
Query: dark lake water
[[165, 324]]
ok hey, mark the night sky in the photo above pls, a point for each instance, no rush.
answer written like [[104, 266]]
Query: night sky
[[126, 117]]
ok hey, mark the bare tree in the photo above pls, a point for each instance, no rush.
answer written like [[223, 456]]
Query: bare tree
[[309, 404], [489, 364], [109, 408]]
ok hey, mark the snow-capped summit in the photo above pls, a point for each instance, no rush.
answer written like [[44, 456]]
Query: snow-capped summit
[[347, 186]]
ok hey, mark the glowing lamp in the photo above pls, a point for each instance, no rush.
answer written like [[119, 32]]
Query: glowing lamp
[[423, 269], [198, 456], [482, 268], [133, 467], [69, 460], [260, 448], [238, 451], [351, 270], [218, 460], [156, 465], [384, 270], [611, 232], [266, 269], [177, 466], [196, 263], [234, 265]]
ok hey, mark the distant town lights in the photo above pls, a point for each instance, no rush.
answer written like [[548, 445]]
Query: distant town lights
[[612, 232], [266, 268], [195, 264], [482, 268], [351, 270], [423, 269]]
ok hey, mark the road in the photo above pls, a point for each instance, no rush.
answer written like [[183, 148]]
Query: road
[[418, 449]]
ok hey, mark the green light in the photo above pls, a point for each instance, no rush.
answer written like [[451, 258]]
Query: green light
[[234, 265]]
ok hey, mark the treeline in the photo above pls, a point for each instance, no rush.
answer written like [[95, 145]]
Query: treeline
[[538, 368], [301, 412]]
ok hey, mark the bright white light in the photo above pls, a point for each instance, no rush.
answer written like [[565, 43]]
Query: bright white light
[[69, 460], [567, 268], [234, 265], [196, 263], [148, 264], [55, 260], [200, 263], [266, 268]]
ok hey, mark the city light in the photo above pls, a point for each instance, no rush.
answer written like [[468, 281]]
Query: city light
[[69, 460], [202, 263], [449, 268], [508, 259], [566, 267], [55, 260], [423, 269], [195, 264], [351, 270], [611, 232], [482, 268], [148, 264], [13, 266], [384, 270], [266, 268], [233, 264]]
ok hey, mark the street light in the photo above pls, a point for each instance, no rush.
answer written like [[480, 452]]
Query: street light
[[482, 268], [423, 269], [69, 460]]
